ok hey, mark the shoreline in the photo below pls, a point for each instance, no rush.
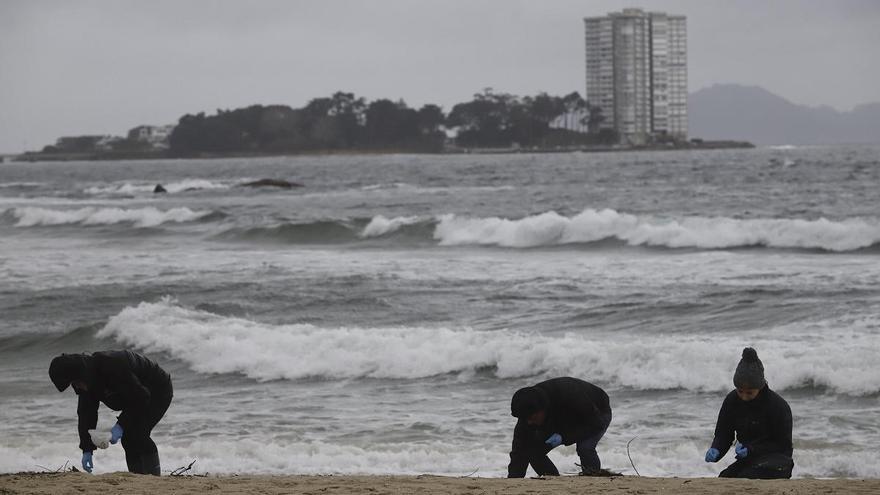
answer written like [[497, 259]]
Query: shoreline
[[72, 482], [31, 157]]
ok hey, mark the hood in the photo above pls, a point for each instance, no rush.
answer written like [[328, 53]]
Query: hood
[[527, 401], [66, 368]]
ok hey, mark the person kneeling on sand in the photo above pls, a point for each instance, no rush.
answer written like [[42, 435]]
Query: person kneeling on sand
[[761, 421], [556, 412], [124, 381]]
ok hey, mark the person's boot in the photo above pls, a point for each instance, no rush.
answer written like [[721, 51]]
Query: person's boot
[[134, 463], [594, 471], [150, 464]]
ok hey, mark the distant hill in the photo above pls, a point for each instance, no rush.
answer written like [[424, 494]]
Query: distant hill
[[751, 113]]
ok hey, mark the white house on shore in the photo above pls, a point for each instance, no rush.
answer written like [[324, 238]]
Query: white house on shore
[[155, 136]]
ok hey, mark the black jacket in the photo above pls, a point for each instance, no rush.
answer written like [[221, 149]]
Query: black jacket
[[123, 381], [763, 424], [575, 408]]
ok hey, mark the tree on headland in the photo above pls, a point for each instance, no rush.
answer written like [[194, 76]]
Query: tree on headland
[[431, 119], [344, 121], [595, 119], [503, 120], [389, 123], [339, 122], [483, 121]]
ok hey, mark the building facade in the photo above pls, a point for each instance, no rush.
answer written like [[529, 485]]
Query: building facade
[[156, 136], [636, 68]]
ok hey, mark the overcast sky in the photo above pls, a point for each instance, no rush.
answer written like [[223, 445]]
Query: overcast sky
[[101, 67]]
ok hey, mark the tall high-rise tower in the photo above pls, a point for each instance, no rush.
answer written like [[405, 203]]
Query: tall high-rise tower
[[637, 73]]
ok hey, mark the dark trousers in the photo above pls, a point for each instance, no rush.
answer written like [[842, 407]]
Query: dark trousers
[[141, 453], [772, 466], [529, 449], [586, 448]]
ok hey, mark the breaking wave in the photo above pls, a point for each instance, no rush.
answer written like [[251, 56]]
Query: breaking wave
[[247, 454], [590, 226], [253, 454], [550, 228], [131, 188], [380, 225], [138, 217], [404, 187], [337, 231], [278, 456], [822, 356], [20, 185]]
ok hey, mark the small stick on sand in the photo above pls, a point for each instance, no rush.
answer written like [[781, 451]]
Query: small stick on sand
[[179, 471], [471, 473], [630, 457]]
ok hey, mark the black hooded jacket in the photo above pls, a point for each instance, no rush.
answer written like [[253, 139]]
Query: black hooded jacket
[[122, 380], [763, 424], [574, 409]]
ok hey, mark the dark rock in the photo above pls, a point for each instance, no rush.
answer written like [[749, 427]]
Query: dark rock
[[159, 189], [271, 183]]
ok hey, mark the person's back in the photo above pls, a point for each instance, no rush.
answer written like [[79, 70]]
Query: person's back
[[147, 371], [566, 389], [554, 412], [124, 381]]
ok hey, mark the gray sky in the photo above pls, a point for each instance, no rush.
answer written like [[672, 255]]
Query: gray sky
[[101, 67]]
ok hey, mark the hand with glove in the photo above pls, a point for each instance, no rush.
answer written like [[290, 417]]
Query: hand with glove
[[741, 451], [87, 462], [554, 441], [115, 433], [102, 442], [712, 455]]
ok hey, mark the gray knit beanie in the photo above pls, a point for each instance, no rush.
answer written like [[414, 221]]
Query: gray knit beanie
[[750, 370]]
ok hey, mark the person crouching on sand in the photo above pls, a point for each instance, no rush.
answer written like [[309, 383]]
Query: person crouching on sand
[[761, 421], [124, 381], [556, 412]]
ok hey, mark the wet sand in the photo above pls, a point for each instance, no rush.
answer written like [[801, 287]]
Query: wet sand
[[55, 483]]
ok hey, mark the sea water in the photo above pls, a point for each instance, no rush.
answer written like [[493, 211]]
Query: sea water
[[378, 319]]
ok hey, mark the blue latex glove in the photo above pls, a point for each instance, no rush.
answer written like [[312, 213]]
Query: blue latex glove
[[741, 451], [554, 441], [87, 462], [115, 433], [712, 455]]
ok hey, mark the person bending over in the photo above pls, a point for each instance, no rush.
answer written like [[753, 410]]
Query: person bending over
[[124, 381], [559, 411], [760, 420]]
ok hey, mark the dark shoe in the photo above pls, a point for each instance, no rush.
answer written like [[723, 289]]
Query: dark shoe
[[597, 472], [150, 463]]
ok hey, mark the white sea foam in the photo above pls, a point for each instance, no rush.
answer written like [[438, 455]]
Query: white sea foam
[[837, 355], [130, 188], [252, 455], [4, 185], [550, 228], [666, 457], [381, 225], [403, 186], [391, 185], [139, 217]]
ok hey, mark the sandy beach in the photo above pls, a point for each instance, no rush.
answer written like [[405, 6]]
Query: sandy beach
[[136, 484]]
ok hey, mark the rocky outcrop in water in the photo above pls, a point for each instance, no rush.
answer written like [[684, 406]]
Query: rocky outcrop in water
[[271, 183]]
